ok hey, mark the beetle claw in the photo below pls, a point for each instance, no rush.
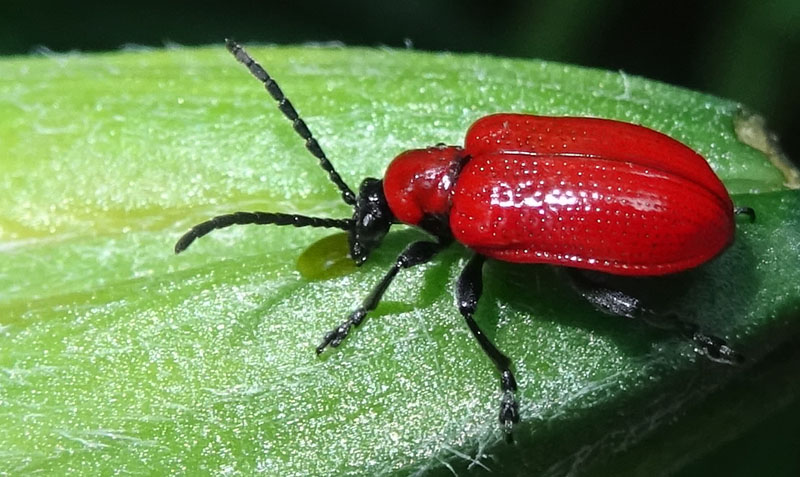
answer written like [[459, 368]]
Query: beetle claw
[[334, 337], [509, 413], [326, 340], [717, 349], [509, 409], [727, 355]]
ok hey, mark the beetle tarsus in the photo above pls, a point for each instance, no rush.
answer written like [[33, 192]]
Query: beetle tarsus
[[509, 407], [714, 348], [335, 337], [509, 410], [414, 254], [719, 352], [748, 211]]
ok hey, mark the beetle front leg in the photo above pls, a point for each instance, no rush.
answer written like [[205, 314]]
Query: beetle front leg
[[614, 302], [468, 291], [415, 254]]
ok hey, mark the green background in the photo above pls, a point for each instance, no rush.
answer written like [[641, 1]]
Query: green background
[[740, 50]]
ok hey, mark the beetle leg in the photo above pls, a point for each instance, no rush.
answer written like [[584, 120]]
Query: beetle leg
[[714, 348], [614, 302], [415, 254], [748, 211], [468, 291]]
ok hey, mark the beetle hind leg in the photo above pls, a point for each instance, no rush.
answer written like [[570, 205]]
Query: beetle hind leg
[[468, 291], [618, 303], [714, 348]]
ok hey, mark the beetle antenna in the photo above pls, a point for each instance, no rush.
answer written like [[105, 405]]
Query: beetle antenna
[[288, 110], [260, 218]]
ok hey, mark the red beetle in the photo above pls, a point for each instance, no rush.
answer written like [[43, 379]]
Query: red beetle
[[585, 193]]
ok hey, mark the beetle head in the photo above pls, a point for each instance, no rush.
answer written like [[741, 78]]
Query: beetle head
[[371, 220]]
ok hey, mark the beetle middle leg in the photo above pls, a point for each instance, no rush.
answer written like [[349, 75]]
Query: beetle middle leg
[[416, 253], [615, 302], [468, 292]]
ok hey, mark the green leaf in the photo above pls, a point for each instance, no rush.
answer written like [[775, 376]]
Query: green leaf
[[119, 357]]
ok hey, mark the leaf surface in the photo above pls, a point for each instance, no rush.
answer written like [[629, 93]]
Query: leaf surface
[[117, 356]]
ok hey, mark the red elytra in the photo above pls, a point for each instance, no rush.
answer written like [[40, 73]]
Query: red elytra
[[584, 193]]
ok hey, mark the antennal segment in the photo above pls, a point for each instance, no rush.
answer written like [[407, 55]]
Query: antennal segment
[[260, 218], [297, 123]]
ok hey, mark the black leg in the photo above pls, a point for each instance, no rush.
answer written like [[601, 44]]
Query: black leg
[[714, 348], [748, 211], [618, 303], [415, 254], [469, 289]]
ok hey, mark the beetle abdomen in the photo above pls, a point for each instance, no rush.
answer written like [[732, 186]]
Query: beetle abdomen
[[587, 212]]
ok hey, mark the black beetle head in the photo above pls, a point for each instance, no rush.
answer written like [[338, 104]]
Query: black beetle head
[[371, 220]]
